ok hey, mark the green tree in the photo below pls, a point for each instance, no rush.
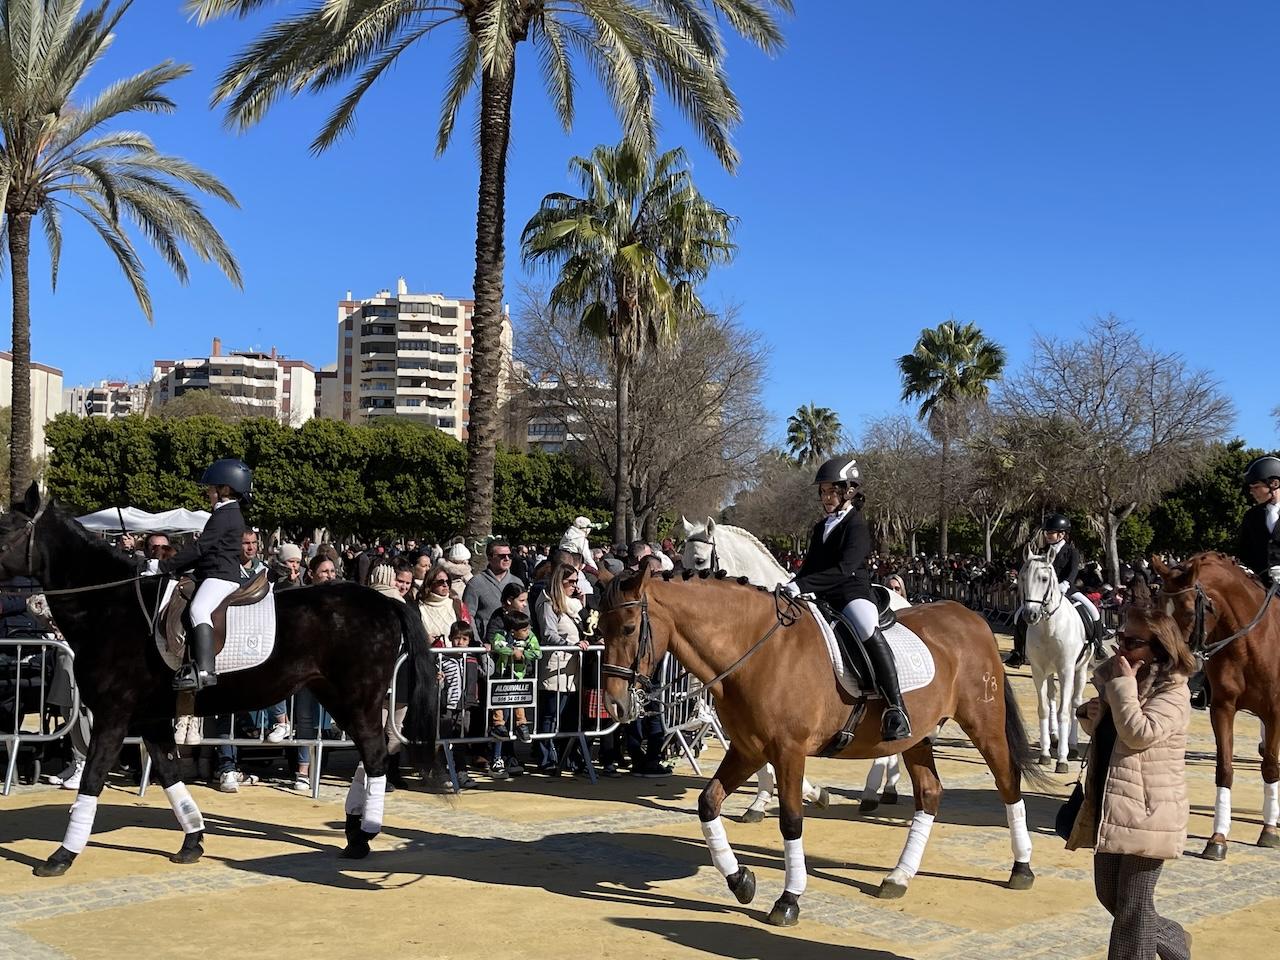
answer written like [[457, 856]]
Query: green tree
[[950, 371], [629, 256], [201, 403], [56, 157], [634, 46], [813, 433], [1204, 511]]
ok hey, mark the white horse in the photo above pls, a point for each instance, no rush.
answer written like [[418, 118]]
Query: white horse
[[739, 553], [1055, 648]]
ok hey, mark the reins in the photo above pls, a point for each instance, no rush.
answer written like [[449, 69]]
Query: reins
[[1203, 602]]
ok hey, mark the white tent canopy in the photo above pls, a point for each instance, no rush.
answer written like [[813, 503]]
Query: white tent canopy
[[139, 521]]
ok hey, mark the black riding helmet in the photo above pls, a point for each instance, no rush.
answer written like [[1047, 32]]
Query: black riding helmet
[[231, 473], [839, 470], [1056, 522], [1262, 470]]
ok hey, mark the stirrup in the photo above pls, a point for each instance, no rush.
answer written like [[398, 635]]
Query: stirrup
[[191, 680], [896, 718]]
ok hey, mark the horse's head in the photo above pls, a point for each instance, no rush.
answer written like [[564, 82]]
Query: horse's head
[[17, 534], [699, 546], [1185, 595], [630, 654], [1037, 586]]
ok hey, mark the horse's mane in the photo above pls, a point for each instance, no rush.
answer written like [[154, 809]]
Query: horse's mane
[[752, 539], [1220, 558], [613, 589], [96, 545]]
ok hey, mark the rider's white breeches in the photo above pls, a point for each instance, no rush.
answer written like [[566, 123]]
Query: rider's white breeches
[[1077, 597], [211, 593], [862, 616]]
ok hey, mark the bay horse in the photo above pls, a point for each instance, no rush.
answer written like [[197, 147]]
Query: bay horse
[[339, 640], [763, 659], [1056, 646], [1217, 602]]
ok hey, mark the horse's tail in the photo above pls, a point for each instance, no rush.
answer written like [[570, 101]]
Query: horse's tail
[[423, 700], [1021, 755]]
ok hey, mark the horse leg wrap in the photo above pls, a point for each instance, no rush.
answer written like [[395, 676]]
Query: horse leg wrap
[[1222, 812], [355, 793], [718, 843], [875, 777], [372, 820], [1018, 836], [765, 785], [811, 793], [184, 808], [913, 852], [80, 825], [1271, 804], [793, 857]]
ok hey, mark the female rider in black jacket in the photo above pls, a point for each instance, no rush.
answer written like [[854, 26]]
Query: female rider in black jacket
[[835, 570]]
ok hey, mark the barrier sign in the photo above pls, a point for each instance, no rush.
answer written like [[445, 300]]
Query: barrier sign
[[511, 693]]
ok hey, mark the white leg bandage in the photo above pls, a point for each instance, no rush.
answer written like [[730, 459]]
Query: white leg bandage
[[355, 792], [1222, 812], [894, 765], [721, 853], [1016, 813], [765, 785], [184, 808], [793, 857], [917, 838], [81, 823], [1271, 804], [811, 793], [875, 776], [372, 820]]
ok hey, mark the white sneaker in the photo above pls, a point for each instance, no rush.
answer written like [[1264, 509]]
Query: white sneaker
[[230, 781], [302, 782], [278, 732], [194, 732], [68, 779], [180, 730]]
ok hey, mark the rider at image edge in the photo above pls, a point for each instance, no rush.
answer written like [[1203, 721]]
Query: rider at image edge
[[835, 571], [1065, 558], [1259, 548], [214, 560]]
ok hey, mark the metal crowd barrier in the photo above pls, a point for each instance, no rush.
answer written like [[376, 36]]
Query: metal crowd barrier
[[38, 672], [687, 717]]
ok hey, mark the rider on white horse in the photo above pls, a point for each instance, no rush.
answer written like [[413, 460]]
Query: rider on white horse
[[1066, 564], [835, 569]]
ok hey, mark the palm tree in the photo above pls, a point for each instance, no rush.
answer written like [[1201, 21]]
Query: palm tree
[[630, 253], [812, 434], [634, 46], [56, 158], [951, 369]]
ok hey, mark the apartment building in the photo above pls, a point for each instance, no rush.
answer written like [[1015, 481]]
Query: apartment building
[[46, 397], [261, 384], [107, 398]]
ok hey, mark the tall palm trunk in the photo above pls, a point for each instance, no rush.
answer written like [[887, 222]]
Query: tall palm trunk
[[20, 430], [486, 324], [944, 506], [622, 461]]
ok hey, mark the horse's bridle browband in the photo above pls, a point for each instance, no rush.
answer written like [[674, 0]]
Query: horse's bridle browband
[[1044, 601], [702, 536], [787, 611]]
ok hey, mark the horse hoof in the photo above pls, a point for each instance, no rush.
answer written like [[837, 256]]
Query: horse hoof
[[1021, 878], [868, 805], [355, 851], [823, 799], [1214, 851], [743, 885], [1073, 753], [1062, 767], [785, 913], [751, 815], [889, 890], [1269, 840], [59, 862], [1042, 761], [889, 797], [188, 855]]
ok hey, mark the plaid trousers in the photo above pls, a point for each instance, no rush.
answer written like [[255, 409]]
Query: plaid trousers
[[1126, 886]]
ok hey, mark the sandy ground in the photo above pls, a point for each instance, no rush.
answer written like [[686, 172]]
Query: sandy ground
[[542, 868]]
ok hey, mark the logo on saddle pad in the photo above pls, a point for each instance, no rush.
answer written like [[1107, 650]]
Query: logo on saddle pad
[[244, 625]]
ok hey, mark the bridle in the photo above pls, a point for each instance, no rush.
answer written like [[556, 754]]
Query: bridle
[[787, 611], [704, 536], [1198, 641], [1043, 602]]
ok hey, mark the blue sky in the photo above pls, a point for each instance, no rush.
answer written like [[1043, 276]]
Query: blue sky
[[1018, 165]]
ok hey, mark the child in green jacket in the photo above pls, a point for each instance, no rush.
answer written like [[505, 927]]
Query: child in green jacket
[[514, 649]]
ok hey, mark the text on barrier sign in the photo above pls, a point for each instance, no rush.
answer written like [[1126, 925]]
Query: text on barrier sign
[[511, 693]]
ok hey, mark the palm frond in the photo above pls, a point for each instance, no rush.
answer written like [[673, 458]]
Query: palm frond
[[51, 223]]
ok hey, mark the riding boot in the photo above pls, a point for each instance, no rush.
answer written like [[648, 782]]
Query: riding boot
[[1199, 691], [1018, 657], [199, 672], [894, 724]]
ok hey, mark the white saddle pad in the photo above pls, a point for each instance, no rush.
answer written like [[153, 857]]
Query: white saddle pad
[[910, 656], [251, 634]]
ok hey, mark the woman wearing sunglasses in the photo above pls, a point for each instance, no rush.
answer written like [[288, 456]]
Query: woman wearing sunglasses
[[1134, 813]]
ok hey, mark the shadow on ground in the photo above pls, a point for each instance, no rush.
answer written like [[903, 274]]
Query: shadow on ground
[[746, 943]]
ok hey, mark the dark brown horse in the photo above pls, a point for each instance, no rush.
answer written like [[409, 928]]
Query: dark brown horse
[[783, 704], [1213, 598]]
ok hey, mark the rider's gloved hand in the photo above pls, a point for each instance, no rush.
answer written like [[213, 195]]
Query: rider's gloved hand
[[791, 588], [153, 566], [1274, 574], [1064, 587]]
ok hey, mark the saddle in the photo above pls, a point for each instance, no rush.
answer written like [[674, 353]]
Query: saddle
[[856, 663], [176, 622]]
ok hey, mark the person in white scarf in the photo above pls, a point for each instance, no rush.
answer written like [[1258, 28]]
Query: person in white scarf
[[560, 671], [440, 609]]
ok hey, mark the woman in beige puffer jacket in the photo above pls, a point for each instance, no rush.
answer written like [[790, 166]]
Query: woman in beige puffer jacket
[[1134, 813]]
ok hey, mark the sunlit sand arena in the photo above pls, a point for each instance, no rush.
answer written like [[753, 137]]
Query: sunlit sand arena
[[552, 868]]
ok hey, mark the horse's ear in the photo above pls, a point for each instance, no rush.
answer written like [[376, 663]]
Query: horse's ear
[[31, 502], [1159, 566], [1026, 553], [686, 528], [711, 525]]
